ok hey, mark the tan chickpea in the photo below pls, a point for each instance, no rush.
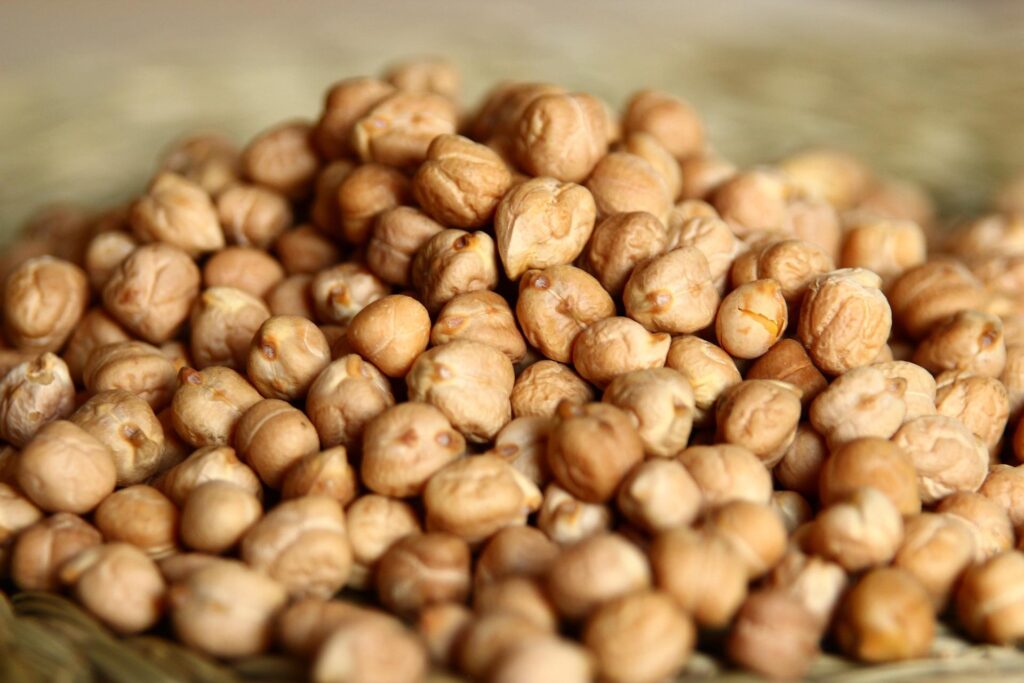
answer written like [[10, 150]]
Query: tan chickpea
[[475, 497], [177, 353], [341, 291], [489, 639], [142, 516], [32, 394], [178, 567], [541, 223], [861, 530], [800, 467], [119, 584], [794, 264], [709, 234], [754, 531], [374, 524], [566, 519], [303, 626], [709, 369], [344, 397], [619, 243], [946, 455], [515, 551], [104, 253], [702, 572], [558, 303], [886, 616], [673, 292], [562, 136], [544, 660], [871, 461], [670, 120], [305, 249], [840, 178], [404, 445], [207, 159], [282, 158], [460, 182], [222, 324], [931, 292], [860, 402], [639, 638], [40, 550], [519, 595], [178, 212], [774, 635], [919, 396], [210, 463], [592, 572], [396, 236], [988, 520], [271, 436], [95, 329], [226, 609], [324, 212], [131, 366], [980, 403], [650, 149], [365, 193], [659, 494], [326, 473], [251, 270], [453, 262], [471, 383], [398, 130], [815, 583], [18, 513], [844, 320], [969, 340], [615, 345], [1005, 485], [787, 361], [423, 569], [984, 606], [208, 404], [937, 548], [814, 220], [726, 472], [390, 332], [622, 182], [302, 544], [702, 174], [753, 200], [886, 246], [761, 416], [481, 316], [286, 355], [660, 402], [43, 300], [345, 103], [175, 448], [752, 318], [425, 74], [372, 647], [126, 425], [792, 508], [253, 215], [543, 385], [66, 469], [988, 234]]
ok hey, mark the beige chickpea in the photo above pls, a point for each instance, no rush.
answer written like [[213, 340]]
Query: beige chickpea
[[303, 626], [251, 270], [325, 212], [988, 520], [814, 220], [396, 236], [66, 469], [931, 292], [43, 300], [366, 192], [562, 136], [673, 292], [592, 572], [271, 436], [404, 445], [861, 530], [619, 243], [490, 639], [426, 74], [814, 582], [871, 461], [541, 223], [727, 472], [208, 404], [946, 455], [988, 234], [286, 355], [344, 397], [556, 304], [518, 595], [794, 264], [1012, 376], [840, 178], [282, 158], [1005, 485], [302, 544], [341, 291], [142, 516], [754, 531], [543, 385], [423, 569], [702, 572], [453, 262], [131, 366], [775, 635], [514, 551], [760, 415], [126, 425], [475, 497], [650, 149], [471, 383], [751, 318], [207, 159], [753, 200], [178, 212], [375, 523], [40, 550], [252, 215], [326, 473], [95, 329], [969, 340], [901, 200], [622, 182], [222, 324], [886, 246], [792, 508], [615, 345], [304, 249], [702, 174], [390, 332], [175, 448], [980, 403], [226, 609], [371, 647], [886, 616], [709, 369], [787, 361], [210, 463], [151, 292], [984, 606], [800, 467], [461, 182], [104, 253], [919, 396], [844, 320], [481, 316], [661, 404], [119, 584], [709, 234], [32, 394], [398, 130], [543, 660], [345, 103], [860, 402], [17, 513], [670, 120], [566, 519], [178, 567], [659, 494]]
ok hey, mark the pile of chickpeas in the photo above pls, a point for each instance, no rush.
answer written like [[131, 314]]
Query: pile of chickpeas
[[555, 393]]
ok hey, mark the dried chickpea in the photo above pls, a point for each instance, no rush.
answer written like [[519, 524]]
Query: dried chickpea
[[543, 660], [543, 385], [1005, 485], [709, 369], [541, 223], [283, 159], [988, 520], [461, 182], [303, 626], [253, 215], [985, 607], [711, 235], [860, 402], [341, 291], [840, 178], [32, 394], [151, 292], [919, 396], [104, 253], [726, 472], [844, 320], [426, 74], [660, 402], [615, 345], [132, 366], [861, 530], [988, 234], [753, 530], [286, 355], [345, 103], [814, 220], [251, 270], [619, 243], [66, 469], [760, 415], [398, 130], [481, 316], [142, 516], [980, 403], [421, 570], [324, 212], [969, 340], [305, 249], [871, 461], [800, 467], [210, 463], [271, 436], [95, 329], [670, 120], [794, 264], [178, 212], [562, 136], [453, 262], [659, 494], [366, 192], [372, 647], [178, 567], [222, 324], [40, 550], [126, 425], [567, 520], [390, 333], [751, 318], [886, 616], [207, 159], [43, 300], [344, 397], [946, 455], [931, 292], [326, 473], [396, 236], [775, 635], [622, 182], [489, 639], [816, 583], [558, 303], [226, 609], [514, 551], [208, 404], [673, 292], [753, 200], [883, 245], [18, 513], [792, 508], [374, 524], [787, 361], [651, 150], [592, 572]]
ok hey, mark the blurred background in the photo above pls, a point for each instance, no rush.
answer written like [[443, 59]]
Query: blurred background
[[90, 92]]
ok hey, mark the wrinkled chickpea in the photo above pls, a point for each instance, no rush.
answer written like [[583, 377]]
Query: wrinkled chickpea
[[40, 550], [969, 340], [860, 402], [131, 366], [515, 551], [946, 455], [932, 292], [251, 270], [800, 467], [374, 524], [988, 520], [669, 119], [936, 549], [661, 403], [919, 396], [886, 246], [659, 494], [651, 150], [253, 215], [341, 291], [562, 136], [222, 324], [871, 461], [32, 394], [709, 369], [396, 236], [326, 473], [461, 182], [421, 570], [592, 572], [518, 595], [345, 103], [178, 212], [481, 316], [543, 385], [283, 159], [285, 356], [616, 345], [66, 469], [43, 300], [344, 397], [619, 243], [390, 333], [775, 635], [622, 182], [142, 516], [363, 194], [711, 235], [787, 361], [95, 329], [271, 436], [566, 519], [751, 318], [453, 262], [760, 415], [126, 425], [980, 403], [398, 130], [753, 200], [987, 610], [370, 647], [105, 253], [1005, 485], [753, 530], [305, 249], [861, 530], [211, 463], [727, 472], [556, 304], [208, 404], [886, 616]]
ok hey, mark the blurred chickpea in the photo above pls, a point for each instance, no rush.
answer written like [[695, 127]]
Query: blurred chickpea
[[325, 473], [517, 595], [558, 303], [390, 333], [95, 329], [871, 461], [919, 396], [32, 394], [800, 466], [460, 182], [702, 174], [613, 346], [178, 212], [126, 425], [324, 211], [619, 243], [840, 178], [366, 192], [208, 404], [990, 233], [760, 415], [490, 639], [1005, 485], [425, 74], [792, 508], [659, 494], [814, 220], [726, 472], [304, 625], [988, 520], [661, 403], [207, 159], [670, 120], [863, 529], [396, 236], [814, 582], [251, 270], [40, 550], [946, 455], [105, 253], [222, 324], [344, 397], [969, 340], [453, 262], [931, 292], [286, 355], [754, 530], [774, 635], [543, 385], [987, 611], [709, 369], [211, 463], [566, 519], [43, 300], [860, 402], [66, 469], [753, 200], [980, 403], [423, 569], [562, 136], [17, 513], [514, 551], [592, 572], [345, 103], [398, 130], [271, 436], [752, 318], [886, 616], [374, 524], [886, 246], [282, 158], [305, 249], [372, 647], [142, 516], [253, 215]]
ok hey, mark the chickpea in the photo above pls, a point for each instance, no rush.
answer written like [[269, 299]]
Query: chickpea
[[542, 222], [374, 524], [426, 74], [371, 647], [760, 415], [861, 530], [341, 291], [931, 292], [980, 403], [860, 402], [453, 262], [305, 250], [251, 270], [226, 609], [461, 182], [988, 234], [326, 473], [651, 150], [659, 494], [775, 635], [481, 316], [660, 402], [946, 455], [594, 571], [622, 182], [271, 436], [522, 596], [18, 513], [152, 290], [936, 549], [253, 215], [613, 346], [286, 355], [555, 305], [543, 660], [514, 551], [886, 246], [222, 324], [987, 611], [886, 616], [1005, 485], [126, 425], [670, 120], [398, 130], [842, 179], [673, 292], [391, 332], [542, 386], [754, 530], [709, 369], [988, 520], [489, 639], [178, 567], [207, 159], [787, 361], [32, 394], [753, 200], [567, 520], [104, 253], [210, 463], [40, 550], [800, 467], [619, 243], [345, 103], [726, 473], [814, 220], [969, 340], [919, 396], [132, 366], [66, 469], [344, 397], [792, 508], [421, 570], [303, 626], [752, 318], [871, 461], [43, 300], [178, 212], [208, 404], [95, 329], [814, 582], [562, 136], [282, 158], [710, 235], [142, 516], [396, 236]]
